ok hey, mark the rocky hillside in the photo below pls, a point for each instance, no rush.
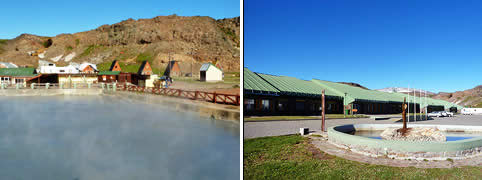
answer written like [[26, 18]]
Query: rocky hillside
[[186, 39], [354, 85], [470, 97]]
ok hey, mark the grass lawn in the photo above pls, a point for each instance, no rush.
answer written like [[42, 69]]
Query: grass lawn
[[327, 116], [293, 157]]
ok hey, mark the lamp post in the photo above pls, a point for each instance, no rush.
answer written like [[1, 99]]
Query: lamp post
[[344, 103], [323, 129]]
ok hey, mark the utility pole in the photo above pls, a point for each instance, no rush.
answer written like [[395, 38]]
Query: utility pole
[[169, 63], [404, 114], [323, 128]]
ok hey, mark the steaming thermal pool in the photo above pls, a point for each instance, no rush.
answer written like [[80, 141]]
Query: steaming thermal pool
[[104, 137]]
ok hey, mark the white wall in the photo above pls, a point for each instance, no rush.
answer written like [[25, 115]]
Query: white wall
[[214, 74], [58, 70]]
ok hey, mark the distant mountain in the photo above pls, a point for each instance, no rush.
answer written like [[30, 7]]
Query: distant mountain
[[353, 84], [471, 97], [405, 90], [196, 40]]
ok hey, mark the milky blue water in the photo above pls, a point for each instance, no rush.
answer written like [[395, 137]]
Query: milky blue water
[[451, 136], [101, 137]]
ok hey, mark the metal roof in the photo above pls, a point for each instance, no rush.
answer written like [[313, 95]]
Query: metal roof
[[253, 83], [18, 72], [8, 65], [293, 86], [206, 66]]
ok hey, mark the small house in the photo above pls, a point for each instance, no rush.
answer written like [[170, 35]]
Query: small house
[[108, 76], [88, 68], [115, 66], [145, 69], [173, 69], [210, 72]]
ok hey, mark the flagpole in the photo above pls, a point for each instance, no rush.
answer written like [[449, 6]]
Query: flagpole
[[420, 98], [414, 105], [408, 95], [426, 106]]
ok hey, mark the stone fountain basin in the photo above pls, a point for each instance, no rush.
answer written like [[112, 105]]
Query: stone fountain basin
[[339, 136]]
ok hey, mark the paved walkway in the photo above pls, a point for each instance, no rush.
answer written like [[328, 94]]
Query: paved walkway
[[277, 128]]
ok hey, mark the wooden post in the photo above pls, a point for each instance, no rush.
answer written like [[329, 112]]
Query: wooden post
[[195, 95], [323, 128], [237, 100], [214, 97]]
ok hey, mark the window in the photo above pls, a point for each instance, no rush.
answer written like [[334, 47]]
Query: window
[[282, 105], [300, 106], [265, 103], [249, 104], [19, 81], [62, 70]]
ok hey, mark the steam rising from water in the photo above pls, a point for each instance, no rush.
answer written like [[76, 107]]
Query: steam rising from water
[[100, 137]]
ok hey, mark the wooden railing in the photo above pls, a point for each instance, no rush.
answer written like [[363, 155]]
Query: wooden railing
[[220, 98]]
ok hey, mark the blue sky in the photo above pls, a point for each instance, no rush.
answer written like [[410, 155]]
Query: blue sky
[[50, 18], [433, 45]]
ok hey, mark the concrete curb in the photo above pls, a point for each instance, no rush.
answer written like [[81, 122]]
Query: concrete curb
[[405, 149]]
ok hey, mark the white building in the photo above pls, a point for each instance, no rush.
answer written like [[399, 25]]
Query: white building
[[210, 72], [52, 69]]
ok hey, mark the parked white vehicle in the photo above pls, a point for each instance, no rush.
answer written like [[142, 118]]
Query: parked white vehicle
[[435, 114], [448, 114], [471, 111]]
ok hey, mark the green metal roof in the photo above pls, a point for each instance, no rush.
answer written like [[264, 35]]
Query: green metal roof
[[293, 86], [358, 94], [18, 72], [254, 83], [109, 73]]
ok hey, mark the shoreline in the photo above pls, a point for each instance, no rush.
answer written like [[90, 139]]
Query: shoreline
[[205, 109]]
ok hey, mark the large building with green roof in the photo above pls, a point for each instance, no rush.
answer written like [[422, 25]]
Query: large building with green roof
[[16, 75], [266, 94]]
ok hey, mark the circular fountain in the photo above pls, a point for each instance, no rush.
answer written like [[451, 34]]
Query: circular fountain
[[462, 142], [431, 142]]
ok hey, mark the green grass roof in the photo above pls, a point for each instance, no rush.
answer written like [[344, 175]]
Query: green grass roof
[[18, 72], [109, 73]]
